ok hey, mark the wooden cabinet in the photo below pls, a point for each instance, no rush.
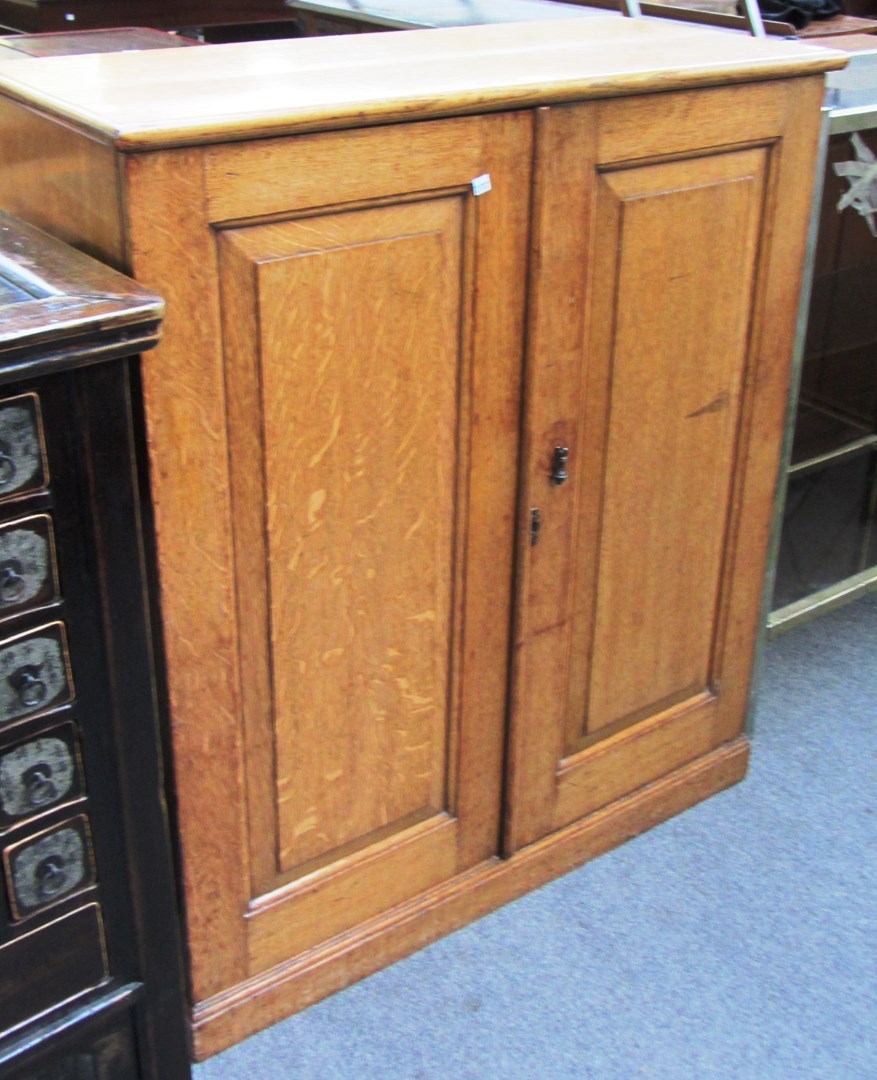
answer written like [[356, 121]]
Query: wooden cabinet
[[464, 433], [90, 965]]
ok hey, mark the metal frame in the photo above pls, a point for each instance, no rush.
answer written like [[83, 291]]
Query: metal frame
[[839, 118]]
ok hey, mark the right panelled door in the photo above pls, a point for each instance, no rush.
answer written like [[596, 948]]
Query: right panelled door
[[653, 422]]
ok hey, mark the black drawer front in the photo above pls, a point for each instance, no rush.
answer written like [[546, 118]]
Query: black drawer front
[[34, 672], [38, 774], [97, 1041], [28, 566], [50, 867], [22, 446], [52, 965], [107, 1057]]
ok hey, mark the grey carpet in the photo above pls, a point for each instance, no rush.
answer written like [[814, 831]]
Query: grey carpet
[[737, 940]]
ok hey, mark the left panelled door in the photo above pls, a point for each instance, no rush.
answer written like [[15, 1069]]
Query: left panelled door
[[369, 305]]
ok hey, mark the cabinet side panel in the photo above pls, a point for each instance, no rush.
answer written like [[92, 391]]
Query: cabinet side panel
[[173, 252], [62, 181], [679, 357]]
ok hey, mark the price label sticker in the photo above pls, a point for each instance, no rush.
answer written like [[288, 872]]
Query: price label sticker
[[481, 184]]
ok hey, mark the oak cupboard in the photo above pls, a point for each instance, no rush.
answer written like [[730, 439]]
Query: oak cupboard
[[463, 436]]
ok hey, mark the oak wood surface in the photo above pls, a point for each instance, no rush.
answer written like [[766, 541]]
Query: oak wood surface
[[182, 96], [663, 375], [681, 224], [229, 1017], [62, 181], [361, 455], [629, 659], [186, 434], [358, 569]]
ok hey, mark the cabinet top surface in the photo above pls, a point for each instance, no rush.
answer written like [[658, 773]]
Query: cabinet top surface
[[176, 97]]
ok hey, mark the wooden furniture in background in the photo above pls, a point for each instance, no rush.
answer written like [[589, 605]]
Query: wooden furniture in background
[[256, 19], [363, 16], [380, 503], [352, 16], [88, 41], [45, 16], [863, 8], [838, 26], [90, 968]]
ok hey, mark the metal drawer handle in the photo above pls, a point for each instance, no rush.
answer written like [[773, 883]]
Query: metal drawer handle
[[29, 686], [39, 787], [12, 584], [51, 877], [7, 466]]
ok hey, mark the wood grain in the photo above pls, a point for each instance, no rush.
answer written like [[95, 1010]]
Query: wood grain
[[169, 97], [646, 558], [558, 302], [681, 123], [184, 392], [773, 322], [360, 631], [342, 487], [341, 896], [272, 180], [680, 242], [62, 181], [361, 458], [227, 1018]]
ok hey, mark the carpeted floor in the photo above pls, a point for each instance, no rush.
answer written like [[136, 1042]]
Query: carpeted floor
[[737, 940]]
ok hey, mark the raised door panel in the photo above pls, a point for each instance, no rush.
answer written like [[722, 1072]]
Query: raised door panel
[[638, 602], [359, 415], [369, 300], [353, 343], [680, 242]]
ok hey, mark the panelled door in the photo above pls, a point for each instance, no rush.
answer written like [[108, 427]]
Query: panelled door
[[654, 407], [370, 302]]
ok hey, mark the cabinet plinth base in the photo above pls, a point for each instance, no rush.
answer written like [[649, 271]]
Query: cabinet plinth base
[[226, 1019]]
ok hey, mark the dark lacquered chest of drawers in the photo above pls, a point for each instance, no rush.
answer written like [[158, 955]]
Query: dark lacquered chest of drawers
[[89, 947]]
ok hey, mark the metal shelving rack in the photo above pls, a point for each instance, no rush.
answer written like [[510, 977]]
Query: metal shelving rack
[[826, 536]]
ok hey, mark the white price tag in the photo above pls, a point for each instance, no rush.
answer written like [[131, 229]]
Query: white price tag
[[481, 184]]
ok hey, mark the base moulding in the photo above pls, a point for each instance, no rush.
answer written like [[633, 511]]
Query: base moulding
[[225, 1019]]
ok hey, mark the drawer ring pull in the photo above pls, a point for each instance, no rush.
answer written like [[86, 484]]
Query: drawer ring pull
[[51, 877], [29, 686], [12, 584], [38, 785]]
